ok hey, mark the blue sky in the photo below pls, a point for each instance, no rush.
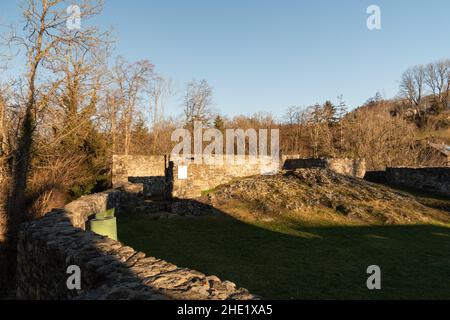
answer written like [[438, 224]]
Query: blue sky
[[262, 55]]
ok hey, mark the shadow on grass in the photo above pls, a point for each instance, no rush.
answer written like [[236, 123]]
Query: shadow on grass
[[428, 199], [302, 263]]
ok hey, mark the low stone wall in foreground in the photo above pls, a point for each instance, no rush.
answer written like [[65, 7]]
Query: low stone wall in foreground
[[109, 269]]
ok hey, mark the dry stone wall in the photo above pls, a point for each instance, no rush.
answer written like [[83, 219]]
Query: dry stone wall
[[161, 175], [429, 179], [433, 180], [345, 166], [148, 170], [202, 177], [109, 269]]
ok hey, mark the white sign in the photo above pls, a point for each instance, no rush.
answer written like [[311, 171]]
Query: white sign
[[182, 172]]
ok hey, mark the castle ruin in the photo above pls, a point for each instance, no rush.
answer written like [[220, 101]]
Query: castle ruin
[[162, 176]]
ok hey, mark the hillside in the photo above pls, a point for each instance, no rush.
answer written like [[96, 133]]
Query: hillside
[[319, 196], [432, 126]]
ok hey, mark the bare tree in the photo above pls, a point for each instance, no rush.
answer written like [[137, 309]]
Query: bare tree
[[111, 113], [161, 90], [292, 115], [296, 120], [437, 78], [198, 102], [383, 140], [314, 122], [341, 112], [44, 34], [320, 120], [132, 81], [412, 87]]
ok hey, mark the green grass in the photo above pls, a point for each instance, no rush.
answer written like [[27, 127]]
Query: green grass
[[283, 260]]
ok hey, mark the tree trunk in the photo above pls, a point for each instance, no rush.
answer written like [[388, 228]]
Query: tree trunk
[[2, 126], [16, 209]]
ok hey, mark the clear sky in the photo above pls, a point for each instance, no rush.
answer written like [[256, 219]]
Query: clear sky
[[267, 55]]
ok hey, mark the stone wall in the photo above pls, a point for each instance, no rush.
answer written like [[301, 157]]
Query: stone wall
[[148, 170], [434, 180], [345, 166], [202, 177], [109, 269], [160, 175]]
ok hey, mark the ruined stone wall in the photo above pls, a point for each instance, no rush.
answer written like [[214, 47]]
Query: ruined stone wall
[[109, 269], [202, 177], [345, 166], [148, 170], [434, 180], [160, 175]]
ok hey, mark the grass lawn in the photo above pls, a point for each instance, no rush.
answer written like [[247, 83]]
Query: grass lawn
[[283, 260]]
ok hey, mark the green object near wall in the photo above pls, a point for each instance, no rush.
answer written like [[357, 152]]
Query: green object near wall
[[105, 224]]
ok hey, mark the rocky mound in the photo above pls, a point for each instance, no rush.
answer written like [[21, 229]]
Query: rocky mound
[[316, 192]]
